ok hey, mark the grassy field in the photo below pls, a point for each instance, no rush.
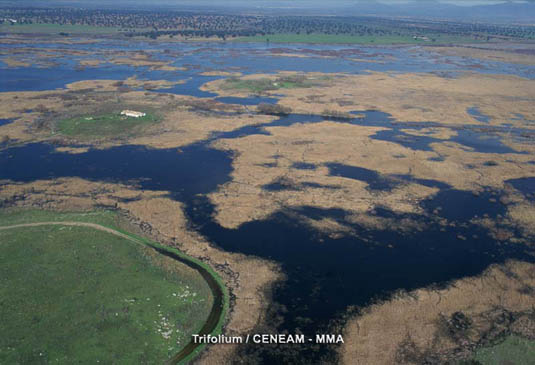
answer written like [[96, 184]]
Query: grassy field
[[55, 29], [78, 295], [514, 350], [46, 28], [265, 84], [348, 39], [104, 125]]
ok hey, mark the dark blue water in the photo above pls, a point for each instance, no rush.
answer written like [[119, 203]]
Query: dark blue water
[[284, 121], [6, 121], [460, 205], [252, 100], [280, 184], [283, 184], [334, 273], [191, 87], [525, 185], [378, 181], [325, 274], [247, 58], [39, 79], [481, 142], [476, 141], [425, 182], [303, 166], [374, 180], [186, 172]]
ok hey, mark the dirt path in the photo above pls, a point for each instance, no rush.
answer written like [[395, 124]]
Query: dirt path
[[78, 224], [217, 307]]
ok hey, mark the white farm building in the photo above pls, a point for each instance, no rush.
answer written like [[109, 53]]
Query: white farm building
[[134, 114]]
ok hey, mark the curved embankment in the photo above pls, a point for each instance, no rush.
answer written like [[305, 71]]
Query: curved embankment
[[215, 319]]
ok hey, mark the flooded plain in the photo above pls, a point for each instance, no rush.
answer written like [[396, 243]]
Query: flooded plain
[[325, 274]]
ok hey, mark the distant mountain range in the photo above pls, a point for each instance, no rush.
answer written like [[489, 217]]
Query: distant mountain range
[[512, 12]]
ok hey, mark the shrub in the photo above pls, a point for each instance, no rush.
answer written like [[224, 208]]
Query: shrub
[[273, 109], [41, 109], [335, 114]]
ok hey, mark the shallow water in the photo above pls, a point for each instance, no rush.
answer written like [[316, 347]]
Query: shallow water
[[374, 180], [471, 136], [474, 111], [459, 205], [252, 100], [325, 274], [303, 166], [247, 58], [525, 185], [5, 121], [192, 170], [40, 79]]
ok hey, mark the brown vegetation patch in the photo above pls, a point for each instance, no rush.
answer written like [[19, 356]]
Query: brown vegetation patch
[[439, 133], [523, 54], [113, 85], [184, 119], [410, 97], [261, 160], [317, 144], [523, 215], [155, 215], [141, 58], [73, 150], [273, 109], [91, 63], [13, 62], [437, 325], [267, 83]]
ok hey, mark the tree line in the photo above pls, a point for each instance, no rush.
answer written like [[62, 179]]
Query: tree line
[[190, 24]]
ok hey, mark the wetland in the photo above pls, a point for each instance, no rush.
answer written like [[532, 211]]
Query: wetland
[[367, 190]]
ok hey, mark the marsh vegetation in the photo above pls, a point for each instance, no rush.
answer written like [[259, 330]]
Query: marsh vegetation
[[75, 293], [260, 85], [105, 125], [365, 175]]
